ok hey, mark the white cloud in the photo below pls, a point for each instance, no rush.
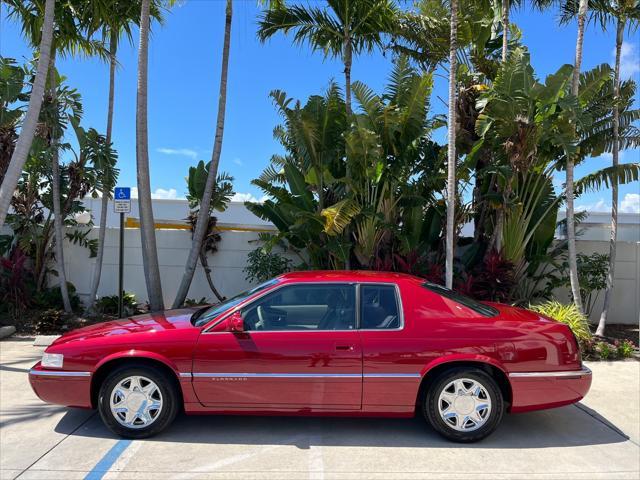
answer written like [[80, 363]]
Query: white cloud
[[247, 197], [629, 60], [599, 206], [159, 193], [237, 161], [243, 197], [183, 152], [630, 203]]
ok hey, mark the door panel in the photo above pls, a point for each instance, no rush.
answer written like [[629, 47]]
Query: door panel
[[307, 369], [300, 350]]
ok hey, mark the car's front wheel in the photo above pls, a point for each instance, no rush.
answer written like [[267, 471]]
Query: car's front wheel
[[464, 404], [137, 401]]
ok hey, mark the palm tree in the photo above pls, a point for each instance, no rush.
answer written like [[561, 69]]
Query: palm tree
[[622, 11], [202, 223], [112, 18], [343, 29], [69, 38], [571, 225], [23, 146], [147, 224], [451, 150], [506, 10]]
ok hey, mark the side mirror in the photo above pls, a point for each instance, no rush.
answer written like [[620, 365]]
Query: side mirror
[[236, 323]]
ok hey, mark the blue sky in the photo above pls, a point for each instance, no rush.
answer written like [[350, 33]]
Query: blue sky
[[184, 69]]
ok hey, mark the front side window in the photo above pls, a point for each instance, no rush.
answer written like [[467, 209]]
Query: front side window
[[303, 307], [379, 307], [204, 315]]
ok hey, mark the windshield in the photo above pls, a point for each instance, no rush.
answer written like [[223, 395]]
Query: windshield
[[481, 308], [204, 315]]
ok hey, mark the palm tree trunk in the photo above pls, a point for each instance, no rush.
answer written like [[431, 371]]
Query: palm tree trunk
[[104, 203], [55, 193], [451, 150], [147, 224], [608, 293], [205, 203], [207, 273], [571, 226], [505, 29], [348, 60], [23, 146]]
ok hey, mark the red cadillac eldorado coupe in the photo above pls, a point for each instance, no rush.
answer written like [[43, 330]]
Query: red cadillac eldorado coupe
[[320, 343]]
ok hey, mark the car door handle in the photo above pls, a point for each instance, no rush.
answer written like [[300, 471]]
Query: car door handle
[[347, 348]]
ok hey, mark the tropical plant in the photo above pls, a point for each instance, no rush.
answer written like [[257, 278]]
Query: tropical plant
[[200, 230], [218, 199], [147, 223], [394, 193], [625, 14], [21, 150], [110, 304], [592, 272], [263, 265], [570, 315]]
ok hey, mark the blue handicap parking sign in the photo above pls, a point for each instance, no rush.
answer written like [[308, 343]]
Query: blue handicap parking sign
[[122, 193]]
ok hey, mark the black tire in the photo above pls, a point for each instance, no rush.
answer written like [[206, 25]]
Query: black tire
[[167, 388], [432, 414]]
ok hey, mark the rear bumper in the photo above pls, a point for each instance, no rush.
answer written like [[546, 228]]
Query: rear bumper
[[61, 387], [540, 390]]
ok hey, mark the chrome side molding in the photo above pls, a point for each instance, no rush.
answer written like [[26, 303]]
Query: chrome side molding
[[60, 373], [565, 373]]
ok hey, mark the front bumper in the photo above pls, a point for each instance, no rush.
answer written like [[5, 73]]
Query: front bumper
[[61, 387], [540, 390]]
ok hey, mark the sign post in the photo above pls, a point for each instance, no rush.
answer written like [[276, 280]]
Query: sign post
[[121, 205]]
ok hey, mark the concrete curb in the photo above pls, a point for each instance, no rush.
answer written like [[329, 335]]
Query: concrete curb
[[44, 340], [7, 331]]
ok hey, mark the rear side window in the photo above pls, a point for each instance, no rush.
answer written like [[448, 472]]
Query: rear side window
[[379, 307], [481, 308]]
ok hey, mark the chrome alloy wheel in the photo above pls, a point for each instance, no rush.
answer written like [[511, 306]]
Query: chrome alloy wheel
[[464, 404], [136, 402]]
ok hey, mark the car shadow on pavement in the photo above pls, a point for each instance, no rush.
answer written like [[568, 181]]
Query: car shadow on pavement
[[564, 427]]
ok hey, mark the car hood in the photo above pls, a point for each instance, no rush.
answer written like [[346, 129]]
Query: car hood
[[153, 322]]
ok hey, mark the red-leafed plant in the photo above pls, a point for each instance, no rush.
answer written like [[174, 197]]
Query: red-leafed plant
[[14, 291], [491, 280]]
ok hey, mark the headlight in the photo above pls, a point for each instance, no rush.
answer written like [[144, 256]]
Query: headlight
[[52, 360]]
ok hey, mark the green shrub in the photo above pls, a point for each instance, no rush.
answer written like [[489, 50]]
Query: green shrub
[[625, 348], [108, 305], [51, 298], [263, 265], [605, 350], [567, 314], [49, 322], [193, 302]]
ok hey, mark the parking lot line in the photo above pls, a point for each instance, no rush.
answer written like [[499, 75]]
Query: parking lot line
[[107, 461]]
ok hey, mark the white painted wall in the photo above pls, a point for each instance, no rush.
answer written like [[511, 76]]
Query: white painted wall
[[173, 249], [229, 261]]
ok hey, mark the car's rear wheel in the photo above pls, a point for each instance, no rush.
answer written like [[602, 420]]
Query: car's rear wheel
[[464, 404], [137, 401]]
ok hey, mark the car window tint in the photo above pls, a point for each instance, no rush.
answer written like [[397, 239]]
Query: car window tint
[[481, 308], [379, 307], [303, 307]]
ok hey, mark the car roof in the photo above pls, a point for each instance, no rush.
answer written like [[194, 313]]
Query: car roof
[[347, 276]]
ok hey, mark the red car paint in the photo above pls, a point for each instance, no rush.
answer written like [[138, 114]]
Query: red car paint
[[350, 372]]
